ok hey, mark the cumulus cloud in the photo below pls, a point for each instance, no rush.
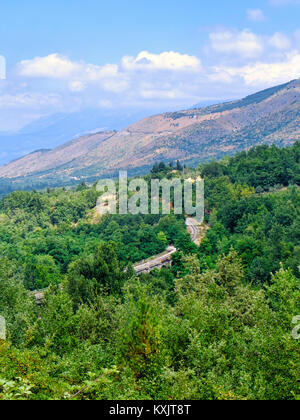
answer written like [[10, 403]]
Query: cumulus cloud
[[53, 66], [113, 78], [171, 60], [56, 66], [76, 86], [263, 73], [297, 36], [246, 61], [94, 73], [280, 41], [256, 15], [246, 44]]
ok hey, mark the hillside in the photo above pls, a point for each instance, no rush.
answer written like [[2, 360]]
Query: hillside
[[43, 160], [270, 116], [216, 324], [54, 130]]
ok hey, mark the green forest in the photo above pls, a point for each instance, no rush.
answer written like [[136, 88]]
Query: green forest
[[216, 325]]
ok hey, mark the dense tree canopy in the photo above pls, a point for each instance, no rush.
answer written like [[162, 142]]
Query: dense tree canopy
[[216, 325]]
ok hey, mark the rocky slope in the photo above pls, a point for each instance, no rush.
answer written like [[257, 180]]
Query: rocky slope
[[270, 116], [44, 160]]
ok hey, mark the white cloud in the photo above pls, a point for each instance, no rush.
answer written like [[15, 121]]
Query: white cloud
[[263, 73], [280, 41], [116, 85], [172, 61], [256, 15], [56, 66], [246, 44], [76, 86], [53, 66], [246, 61], [297, 36], [92, 72], [2, 67], [110, 77]]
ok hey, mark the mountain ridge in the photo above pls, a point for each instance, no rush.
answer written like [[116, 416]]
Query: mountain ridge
[[194, 135], [52, 131]]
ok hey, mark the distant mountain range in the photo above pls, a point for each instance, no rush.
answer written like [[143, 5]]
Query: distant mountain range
[[192, 136], [53, 131]]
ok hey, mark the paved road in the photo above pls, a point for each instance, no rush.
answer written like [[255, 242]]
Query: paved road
[[163, 259], [193, 228], [157, 261]]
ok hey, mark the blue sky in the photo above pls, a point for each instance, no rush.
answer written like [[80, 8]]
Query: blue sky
[[66, 55]]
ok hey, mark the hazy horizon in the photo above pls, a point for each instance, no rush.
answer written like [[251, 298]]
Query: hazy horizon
[[141, 56]]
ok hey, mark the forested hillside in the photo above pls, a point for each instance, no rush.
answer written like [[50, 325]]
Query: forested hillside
[[216, 325], [196, 135]]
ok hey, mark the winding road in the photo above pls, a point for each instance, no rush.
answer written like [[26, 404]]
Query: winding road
[[165, 259], [193, 228], [157, 261]]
